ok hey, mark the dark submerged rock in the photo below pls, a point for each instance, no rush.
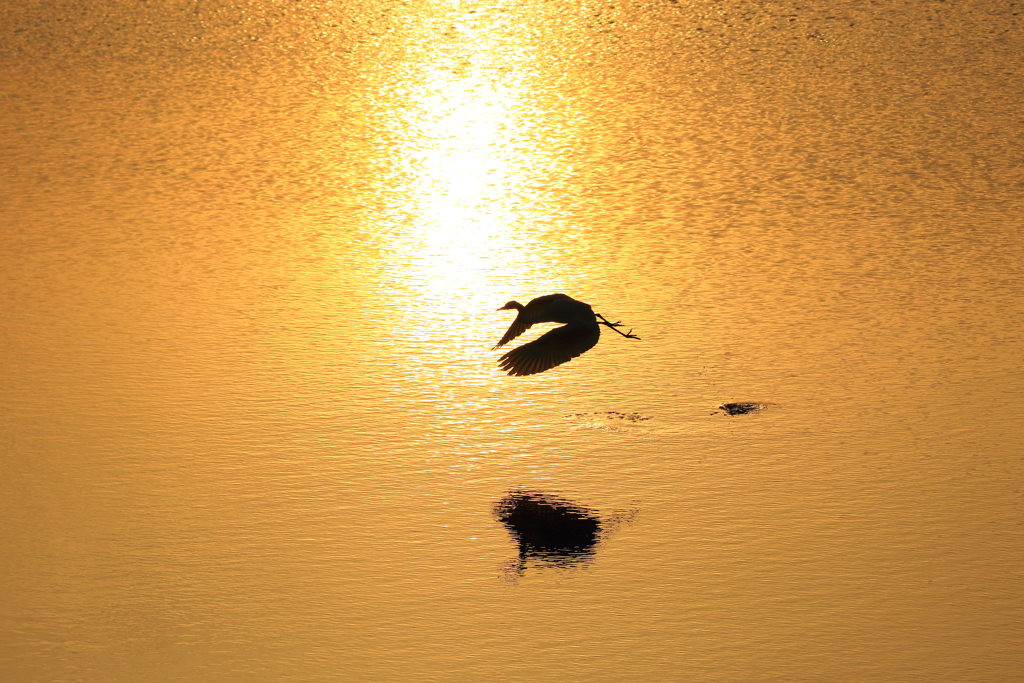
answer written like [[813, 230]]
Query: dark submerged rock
[[742, 408]]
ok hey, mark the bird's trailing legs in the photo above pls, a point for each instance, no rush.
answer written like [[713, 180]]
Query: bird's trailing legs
[[606, 323]]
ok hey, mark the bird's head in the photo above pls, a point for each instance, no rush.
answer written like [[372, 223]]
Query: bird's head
[[512, 305]]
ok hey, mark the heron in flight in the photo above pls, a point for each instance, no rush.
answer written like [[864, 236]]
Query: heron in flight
[[579, 333]]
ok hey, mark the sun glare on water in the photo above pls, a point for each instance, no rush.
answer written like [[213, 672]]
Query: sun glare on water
[[464, 154]]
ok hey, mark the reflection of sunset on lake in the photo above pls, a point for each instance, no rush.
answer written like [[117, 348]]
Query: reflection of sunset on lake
[[254, 427], [457, 176]]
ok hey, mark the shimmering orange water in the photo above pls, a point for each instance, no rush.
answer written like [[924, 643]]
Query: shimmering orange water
[[252, 426]]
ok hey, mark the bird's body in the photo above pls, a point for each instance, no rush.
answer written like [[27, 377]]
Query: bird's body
[[560, 345], [579, 333]]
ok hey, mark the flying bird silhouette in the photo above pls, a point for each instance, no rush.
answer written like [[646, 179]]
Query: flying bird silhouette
[[579, 333]]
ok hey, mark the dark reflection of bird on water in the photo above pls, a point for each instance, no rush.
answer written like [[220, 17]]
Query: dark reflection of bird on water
[[548, 529], [578, 334]]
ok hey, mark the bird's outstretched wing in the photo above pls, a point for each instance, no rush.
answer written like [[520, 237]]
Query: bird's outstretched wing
[[517, 328], [532, 313], [552, 348]]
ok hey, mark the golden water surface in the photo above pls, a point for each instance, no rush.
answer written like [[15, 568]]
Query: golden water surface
[[252, 427]]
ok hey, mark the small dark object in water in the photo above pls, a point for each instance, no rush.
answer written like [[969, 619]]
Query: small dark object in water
[[742, 408], [547, 528]]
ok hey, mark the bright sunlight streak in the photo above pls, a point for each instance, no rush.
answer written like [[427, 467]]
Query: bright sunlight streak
[[459, 110], [464, 150]]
